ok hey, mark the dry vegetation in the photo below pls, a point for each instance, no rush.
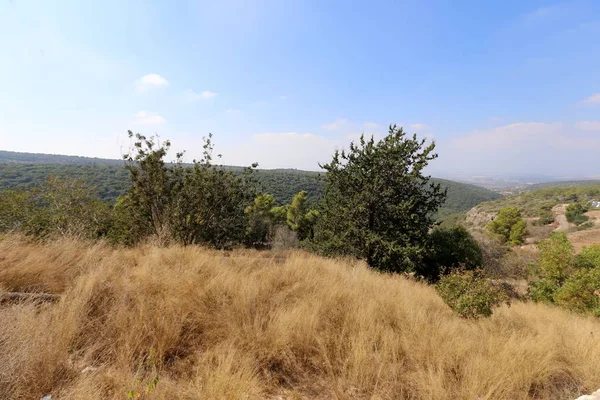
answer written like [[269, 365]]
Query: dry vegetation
[[255, 325]]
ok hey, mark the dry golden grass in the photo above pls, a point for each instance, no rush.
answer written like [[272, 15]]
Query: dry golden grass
[[251, 325]]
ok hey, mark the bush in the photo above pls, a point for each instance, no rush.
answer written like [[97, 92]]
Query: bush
[[581, 292], [545, 216], [449, 248], [575, 211], [556, 260], [58, 208], [589, 257], [469, 295], [509, 226]]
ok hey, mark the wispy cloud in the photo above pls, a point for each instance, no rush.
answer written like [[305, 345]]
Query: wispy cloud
[[371, 126], [535, 147], [588, 125], [283, 150], [419, 127], [150, 81], [204, 95], [284, 97], [335, 125], [148, 118], [593, 99]]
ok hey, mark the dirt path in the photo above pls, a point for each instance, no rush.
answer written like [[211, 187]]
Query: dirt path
[[559, 217], [563, 224]]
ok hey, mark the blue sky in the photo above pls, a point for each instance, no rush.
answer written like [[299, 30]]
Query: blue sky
[[502, 87]]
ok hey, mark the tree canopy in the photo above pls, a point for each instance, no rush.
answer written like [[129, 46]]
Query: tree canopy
[[378, 204]]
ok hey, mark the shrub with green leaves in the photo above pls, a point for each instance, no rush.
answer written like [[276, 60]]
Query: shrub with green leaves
[[509, 226], [470, 295], [589, 257], [555, 263], [575, 213], [449, 249], [545, 216], [581, 292]]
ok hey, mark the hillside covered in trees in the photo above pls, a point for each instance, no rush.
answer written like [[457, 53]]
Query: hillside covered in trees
[[110, 179]]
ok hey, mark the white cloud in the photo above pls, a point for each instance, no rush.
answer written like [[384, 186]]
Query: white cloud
[[337, 124], [284, 97], [151, 81], [371, 126], [524, 147], [147, 118], [588, 125], [204, 95], [419, 127], [282, 150], [593, 99]]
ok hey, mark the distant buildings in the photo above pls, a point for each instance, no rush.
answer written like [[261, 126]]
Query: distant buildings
[[594, 203]]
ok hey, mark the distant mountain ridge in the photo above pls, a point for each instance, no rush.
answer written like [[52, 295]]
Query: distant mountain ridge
[[110, 178]]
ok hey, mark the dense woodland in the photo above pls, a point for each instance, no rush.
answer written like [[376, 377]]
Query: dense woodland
[[110, 179]]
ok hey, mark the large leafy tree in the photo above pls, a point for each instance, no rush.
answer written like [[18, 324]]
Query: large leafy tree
[[378, 203]]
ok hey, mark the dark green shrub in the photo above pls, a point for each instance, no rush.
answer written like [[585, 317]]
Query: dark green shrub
[[545, 216], [449, 248], [509, 226], [575, 213], [469, 295]]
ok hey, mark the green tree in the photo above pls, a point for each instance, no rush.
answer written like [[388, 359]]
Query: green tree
[[509, 226], [449, 249], [378, 204], [152, 184], [300, 218], [260, 219], [555, 263], [204, 203]]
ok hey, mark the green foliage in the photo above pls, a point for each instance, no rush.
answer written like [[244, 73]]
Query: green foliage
[[110, 179], [203, 204], [261, 219], [575, 211], [555, 263], [545, 216], [449, 249], [378, 205], [59, 208], [581, 292], [530, 202], [300, 218], [509, 226], [469, 295], [589, 257]]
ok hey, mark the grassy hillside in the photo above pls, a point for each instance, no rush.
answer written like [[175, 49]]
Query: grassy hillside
[[22, 170], [531, 202], [562, 184], [251, 325]]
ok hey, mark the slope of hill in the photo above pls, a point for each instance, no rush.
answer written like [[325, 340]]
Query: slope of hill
[[561, 184], [189, 323], [22, 170], [530, 202]]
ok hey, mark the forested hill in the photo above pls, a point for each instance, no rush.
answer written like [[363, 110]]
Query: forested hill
[[110, 178]]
